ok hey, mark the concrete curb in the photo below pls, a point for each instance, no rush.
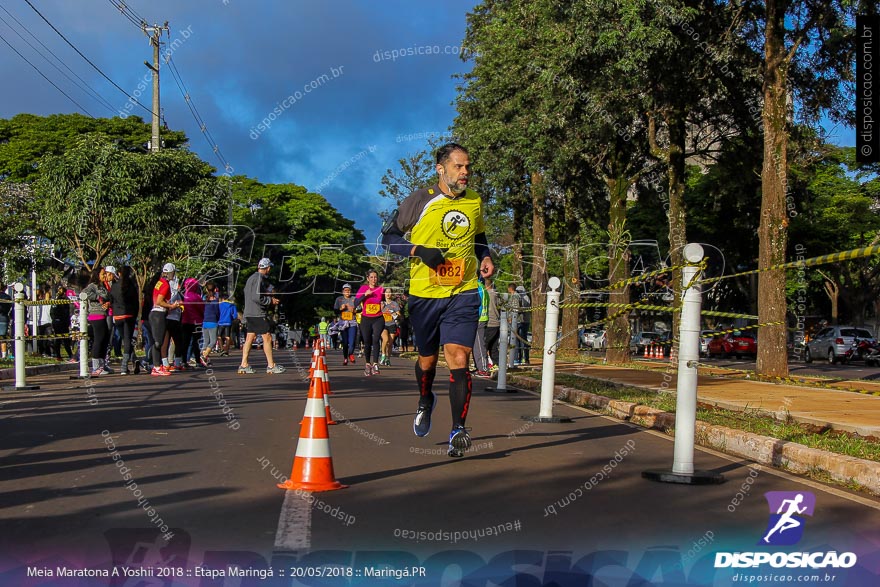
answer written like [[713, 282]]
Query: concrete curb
[[790, 456], [9, 372]]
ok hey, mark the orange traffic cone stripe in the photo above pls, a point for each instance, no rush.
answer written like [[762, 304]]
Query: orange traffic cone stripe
[[323, 380]]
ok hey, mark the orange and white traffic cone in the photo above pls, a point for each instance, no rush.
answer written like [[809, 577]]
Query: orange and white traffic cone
[[313, 465], [646, 353], [653, 354]]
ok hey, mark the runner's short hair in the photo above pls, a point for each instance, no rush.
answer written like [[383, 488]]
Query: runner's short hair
[[444, 152]]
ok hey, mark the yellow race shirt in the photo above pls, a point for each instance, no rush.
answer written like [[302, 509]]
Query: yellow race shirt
[[433, 219]]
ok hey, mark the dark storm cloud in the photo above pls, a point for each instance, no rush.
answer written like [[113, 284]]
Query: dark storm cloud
[[243, 61]]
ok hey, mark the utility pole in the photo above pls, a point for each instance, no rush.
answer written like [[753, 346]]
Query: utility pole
[[155, 33]]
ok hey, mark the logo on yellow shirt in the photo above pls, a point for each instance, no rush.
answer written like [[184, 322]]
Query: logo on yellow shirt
[[455, 224]]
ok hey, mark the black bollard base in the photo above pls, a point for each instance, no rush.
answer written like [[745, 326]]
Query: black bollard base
[[696, 478], [505, 390], [550, 420], [20, 387]]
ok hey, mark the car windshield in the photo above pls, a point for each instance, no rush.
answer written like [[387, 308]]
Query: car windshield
[[860, 332], [740, 334]]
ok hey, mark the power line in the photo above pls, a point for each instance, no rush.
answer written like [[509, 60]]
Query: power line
[[178, 80], [82, 86], [128, 13], [141, 23], [46, 78], [98, 69]]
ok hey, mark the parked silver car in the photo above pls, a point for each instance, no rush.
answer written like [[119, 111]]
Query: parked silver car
[[833, 342], [640, 340]]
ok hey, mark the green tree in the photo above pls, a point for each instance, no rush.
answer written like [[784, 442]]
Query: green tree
[[100, 202], [315, 249], [26, 138], [839, 212], [807, 69]]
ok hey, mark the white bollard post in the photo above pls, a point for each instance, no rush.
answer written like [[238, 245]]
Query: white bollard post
[[84, 371], [20, 345], [503, 344], [686, 400], [548, 369]]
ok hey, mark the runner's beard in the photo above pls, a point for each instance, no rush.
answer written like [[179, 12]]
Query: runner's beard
[[453, 184]]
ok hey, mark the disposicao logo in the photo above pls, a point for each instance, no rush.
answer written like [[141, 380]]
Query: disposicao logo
[[787, 508], [784, 528]]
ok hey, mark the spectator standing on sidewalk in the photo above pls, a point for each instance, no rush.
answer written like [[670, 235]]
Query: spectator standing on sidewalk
[[124, 299], [46, 346], [210, 323], [162, 305], [256, 302], [493, 324], [228, 315], [60, 314], [523, 323], [513, 318], [97, 305], [6, 308], [481, 354]]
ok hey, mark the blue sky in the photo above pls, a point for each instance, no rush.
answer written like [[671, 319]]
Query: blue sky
[[240, 59]]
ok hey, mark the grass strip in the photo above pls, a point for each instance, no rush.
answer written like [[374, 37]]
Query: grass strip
[[823, 438]]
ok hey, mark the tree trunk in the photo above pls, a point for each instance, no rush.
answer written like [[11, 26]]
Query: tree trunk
[[618, 270], [772, 353], [833, 293], [572, 277], [675, 121], [539, 267]]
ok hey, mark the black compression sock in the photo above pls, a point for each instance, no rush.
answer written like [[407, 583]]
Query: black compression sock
[[459, 395], [425, 381]]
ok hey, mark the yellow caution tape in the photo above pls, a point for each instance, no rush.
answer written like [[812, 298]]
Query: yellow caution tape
[[47, 303], [820, 260], [741, 328]]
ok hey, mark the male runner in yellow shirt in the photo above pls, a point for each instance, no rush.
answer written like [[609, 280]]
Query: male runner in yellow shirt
[[447, 240]]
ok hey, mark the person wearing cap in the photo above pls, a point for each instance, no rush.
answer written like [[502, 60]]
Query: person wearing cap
[[348, 326], [448, 250], [162, 304], [257, 299]]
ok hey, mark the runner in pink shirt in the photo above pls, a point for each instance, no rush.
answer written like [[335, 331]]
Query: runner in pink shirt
[[370, 296]]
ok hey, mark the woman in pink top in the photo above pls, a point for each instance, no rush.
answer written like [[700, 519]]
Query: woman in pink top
[[370, 296]]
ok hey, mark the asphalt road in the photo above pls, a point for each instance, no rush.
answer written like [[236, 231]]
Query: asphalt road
[[545, 503]]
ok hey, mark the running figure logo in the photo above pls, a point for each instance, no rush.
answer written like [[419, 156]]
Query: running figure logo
[[455, 224], [786, 525]]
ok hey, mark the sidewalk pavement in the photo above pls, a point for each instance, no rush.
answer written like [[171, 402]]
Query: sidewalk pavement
[[834, 408]]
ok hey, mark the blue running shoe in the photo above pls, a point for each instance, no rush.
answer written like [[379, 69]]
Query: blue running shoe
[[422, 422], [459, 441]]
